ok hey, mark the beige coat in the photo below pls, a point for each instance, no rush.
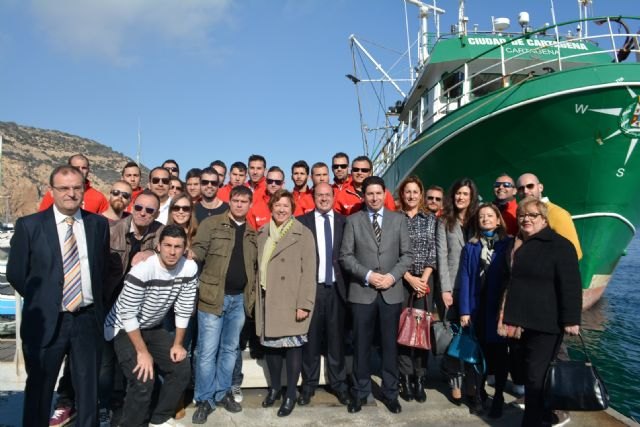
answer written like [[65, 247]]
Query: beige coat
[[291, 283]]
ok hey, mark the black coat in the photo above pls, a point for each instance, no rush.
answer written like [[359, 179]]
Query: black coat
[[545, 290]]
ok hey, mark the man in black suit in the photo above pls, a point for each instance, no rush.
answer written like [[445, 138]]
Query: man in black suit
[[57, 264], [327, 323], [376, 252]]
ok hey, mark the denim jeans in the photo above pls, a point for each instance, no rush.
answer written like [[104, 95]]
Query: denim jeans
[[218, 338]]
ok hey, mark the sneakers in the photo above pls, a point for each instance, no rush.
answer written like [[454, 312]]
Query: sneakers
[[104, 418], [229, 403], [237, 393], [171, 422], [560, 418], [62, 417], [203, 409]]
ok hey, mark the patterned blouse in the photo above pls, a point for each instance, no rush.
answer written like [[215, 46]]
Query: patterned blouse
[[422, 231]]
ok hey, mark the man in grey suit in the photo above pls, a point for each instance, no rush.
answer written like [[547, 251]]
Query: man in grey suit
[[376, 252]]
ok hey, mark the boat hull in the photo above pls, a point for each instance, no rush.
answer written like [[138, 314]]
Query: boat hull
[[569, 129]]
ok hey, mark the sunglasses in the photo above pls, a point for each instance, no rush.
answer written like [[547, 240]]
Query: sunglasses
[[437, 199], [504, 184], [172, 168], [340, 166], [274, 181], [205, 182], [175, 187], [184, 208], [157, 180], [139, 208], [529, 186], [363, 170], [530, 215], [123, 194]]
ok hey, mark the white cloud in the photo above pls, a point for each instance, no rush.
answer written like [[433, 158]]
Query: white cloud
[[112, 29]]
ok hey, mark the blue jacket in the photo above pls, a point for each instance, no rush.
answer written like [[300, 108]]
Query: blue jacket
[[469, 298]]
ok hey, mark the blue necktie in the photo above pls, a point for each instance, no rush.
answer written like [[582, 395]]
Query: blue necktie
[[328, 251]]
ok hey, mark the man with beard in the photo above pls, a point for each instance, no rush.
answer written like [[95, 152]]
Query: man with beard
[[260, 214], [302, 195], [209, 204], [505, 191], [119, 198]]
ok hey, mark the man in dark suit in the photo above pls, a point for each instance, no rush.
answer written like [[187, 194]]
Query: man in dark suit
[[327, 323], [57, 264], [376, 252]]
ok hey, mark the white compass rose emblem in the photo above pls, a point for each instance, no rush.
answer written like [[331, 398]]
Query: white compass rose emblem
[[628, 121]]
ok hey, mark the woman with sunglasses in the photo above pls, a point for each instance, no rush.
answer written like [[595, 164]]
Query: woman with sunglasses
[[452, 233], [181, 213], [481, 280], [286, 293], [417, 283], [542, 301], [175, 187]]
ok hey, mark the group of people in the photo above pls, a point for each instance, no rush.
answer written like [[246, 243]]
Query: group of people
[[161, 287]]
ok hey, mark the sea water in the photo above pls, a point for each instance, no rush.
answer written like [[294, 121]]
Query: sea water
[[611, 329]]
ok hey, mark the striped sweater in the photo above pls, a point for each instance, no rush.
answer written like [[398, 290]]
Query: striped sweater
[[149, 292]]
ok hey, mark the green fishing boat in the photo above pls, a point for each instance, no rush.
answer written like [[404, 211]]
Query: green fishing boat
[[561, 101]]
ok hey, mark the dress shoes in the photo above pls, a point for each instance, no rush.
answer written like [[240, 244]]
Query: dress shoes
[[356, 405], [287, 407], [419, 392], [304, 398], [272, 396], [344, 398], [392, 405]]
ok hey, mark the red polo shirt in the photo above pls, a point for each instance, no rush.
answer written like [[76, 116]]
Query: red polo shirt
[[224, 193], [348, 201], [259, 213], [94, 201], [304, 202]]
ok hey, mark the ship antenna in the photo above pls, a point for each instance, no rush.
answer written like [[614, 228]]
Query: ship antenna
[[139, 144], [406, 26]]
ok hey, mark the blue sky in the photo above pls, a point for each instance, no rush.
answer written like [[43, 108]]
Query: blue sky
[[212, 79]]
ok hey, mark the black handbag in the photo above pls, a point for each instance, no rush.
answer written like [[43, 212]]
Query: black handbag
[[575, 385], [441, 335]]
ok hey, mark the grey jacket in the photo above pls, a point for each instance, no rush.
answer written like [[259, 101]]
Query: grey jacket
[[360, 253], [449, 246]]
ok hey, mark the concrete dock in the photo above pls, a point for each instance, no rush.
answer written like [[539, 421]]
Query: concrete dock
[[324, 409]]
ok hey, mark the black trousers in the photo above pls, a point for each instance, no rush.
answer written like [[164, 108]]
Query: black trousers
[[78, 336], [365, 317], [539, 349], [138, 398], [325, 330]]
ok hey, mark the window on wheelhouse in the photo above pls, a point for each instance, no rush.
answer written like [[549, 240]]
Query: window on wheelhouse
[[452, 89], [485, 83]]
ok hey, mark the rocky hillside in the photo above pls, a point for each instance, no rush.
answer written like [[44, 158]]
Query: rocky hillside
[[30, 154]]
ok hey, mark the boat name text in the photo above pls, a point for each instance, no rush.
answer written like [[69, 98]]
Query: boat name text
[[535, 43]]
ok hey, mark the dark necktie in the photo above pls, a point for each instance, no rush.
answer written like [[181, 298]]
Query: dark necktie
[[376, 227], [328, 251], [72, 289]]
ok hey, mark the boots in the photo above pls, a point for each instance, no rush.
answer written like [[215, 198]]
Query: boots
[[419, 393], [406, 391]]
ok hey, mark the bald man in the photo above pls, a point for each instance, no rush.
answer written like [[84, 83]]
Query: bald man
[[559, 220]]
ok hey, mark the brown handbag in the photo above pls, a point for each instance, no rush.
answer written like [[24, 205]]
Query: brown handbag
[[415, 327]]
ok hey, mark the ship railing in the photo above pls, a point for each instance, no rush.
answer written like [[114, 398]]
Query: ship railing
[[458, 87]]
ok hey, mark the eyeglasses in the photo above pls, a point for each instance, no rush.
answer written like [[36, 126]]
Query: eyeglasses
[[437, 199], [529, 186], [183, 208], [530, 215], [274, 181], [205, 182], [139, 208], [172, 168], [175, 187], [157, 180], [123, 194], [505, 184], [363, 170], [340, 166], [66, 189]]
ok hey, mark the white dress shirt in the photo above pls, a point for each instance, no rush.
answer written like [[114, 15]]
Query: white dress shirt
[[322, 262], [83, 254]]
